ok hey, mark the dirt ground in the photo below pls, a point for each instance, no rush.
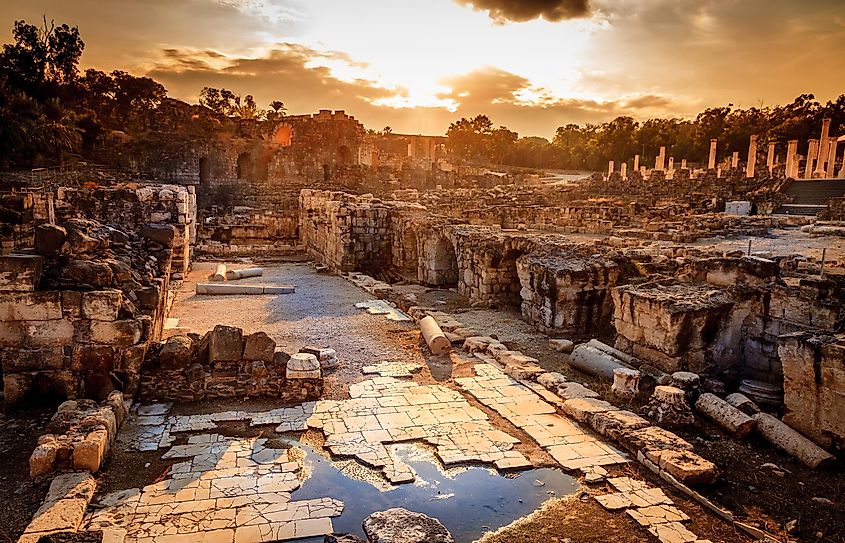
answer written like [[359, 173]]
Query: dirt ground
[[19, 496]]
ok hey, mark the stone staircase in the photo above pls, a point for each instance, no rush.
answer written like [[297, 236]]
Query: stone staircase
[[809, 197]]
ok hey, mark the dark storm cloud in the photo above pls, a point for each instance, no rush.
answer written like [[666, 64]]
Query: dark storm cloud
[[503, 11]]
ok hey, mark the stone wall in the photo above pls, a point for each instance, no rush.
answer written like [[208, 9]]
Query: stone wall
[[76, 318], [226, 364], [814, 385]]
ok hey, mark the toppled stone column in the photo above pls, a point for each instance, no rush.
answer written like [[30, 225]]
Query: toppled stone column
[[788, 440], [669, 405], [434, 337], [594, 361], [234, 275], [728, 417], [626, 383], [220, 274], [743, 403]]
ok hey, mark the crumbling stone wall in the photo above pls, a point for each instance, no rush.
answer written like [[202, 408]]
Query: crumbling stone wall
[[814, 385], [225, 364]]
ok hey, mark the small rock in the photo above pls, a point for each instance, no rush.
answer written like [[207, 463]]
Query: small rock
[[399, 525]]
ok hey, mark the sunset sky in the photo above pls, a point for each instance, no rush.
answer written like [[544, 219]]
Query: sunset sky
[[418, 65]]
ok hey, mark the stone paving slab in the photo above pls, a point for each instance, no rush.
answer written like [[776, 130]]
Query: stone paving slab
[[227, 490]]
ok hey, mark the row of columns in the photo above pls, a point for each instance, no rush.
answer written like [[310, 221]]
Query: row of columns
[[820, 161]]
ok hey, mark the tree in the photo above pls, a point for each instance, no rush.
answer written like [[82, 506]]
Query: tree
[[42, 59], [467, 137], [386, 130], [278, 110]]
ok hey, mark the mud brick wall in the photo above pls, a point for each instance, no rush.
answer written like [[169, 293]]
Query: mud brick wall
[[222, 364], [814, 385]]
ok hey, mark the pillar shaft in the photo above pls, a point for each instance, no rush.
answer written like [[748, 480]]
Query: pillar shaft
[[711, 162], [831, 159], [752, 157]]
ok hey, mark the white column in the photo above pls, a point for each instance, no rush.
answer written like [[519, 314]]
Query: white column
[[824, 148], [660, 159], [791, 166], [610, 167], [842, 170], [812, 153], [735, 160], [831, 158], [636, 163], [623, 170], [711, 162], [770, 159], [683, 164], [752, 157]]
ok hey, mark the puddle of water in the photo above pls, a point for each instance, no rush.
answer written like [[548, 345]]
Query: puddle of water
[[469, 500]]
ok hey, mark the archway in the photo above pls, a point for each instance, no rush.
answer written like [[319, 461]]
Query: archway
[[506, 290], [244, 169], [205, 171], [344, 155], [445, 264]]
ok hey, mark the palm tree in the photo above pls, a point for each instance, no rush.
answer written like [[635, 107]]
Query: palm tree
[[57, 130], [18, 125]]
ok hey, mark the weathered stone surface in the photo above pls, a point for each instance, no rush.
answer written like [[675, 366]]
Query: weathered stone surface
[[42, 459], [20, 273], [303, 366], [226, 344], [724, 414], [72, 485], [399, 525], [743, 403], [593, 361], [163, 234], [785, 438], [561, 345], [49, 239], [121, 333], [102, 305], [89, 454], [58, 515], [176, 353], [581, 409], [89, 272], [259, 346], [686, 466]]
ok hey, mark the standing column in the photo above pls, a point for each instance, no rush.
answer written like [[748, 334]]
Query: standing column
[[660, 160], [824, 148], [842, 170], [623, 171], [791, 167], [683, 164], [636, 163], [812, 152], [670, 174], [711, 162], [770, 159], [752, 157], [610, 168], [831, 158], [735, 160]]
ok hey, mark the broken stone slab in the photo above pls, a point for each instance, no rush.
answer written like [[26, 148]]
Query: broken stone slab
[[259, 346], [561, 345], [626, 383], [176, 353], [89, 454], [221, 290], [614, 423], [20, 273], [686, 466], [398, 525], [571, 390], [234, 275], [743, 403], [225, 344], [327, 357], [437, 342], [43, 458], [581, 409], [594, 361], [653, 438], [551, 380], [219, 274], [728, 417], [788, 440]]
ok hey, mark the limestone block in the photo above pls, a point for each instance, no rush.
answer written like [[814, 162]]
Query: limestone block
[[163, 234], [122, 333], [133, 358], [303, 366], [571, 390], [102, 305], [52, 333], [477, 343], [626, 383], [551, 380], [20, 273], [327, 357], [259, 346], [72, 485], [60, 515], [581, 409], [669, 405], [49, 239], [561, 345], [613, 423], [176, 353], [724, 414], [117, 404], [89, 454], [686, 466], [653, 438], [99, 358], [788, 440], [30, 306], [16, 386], [43, 459], [226, 344]]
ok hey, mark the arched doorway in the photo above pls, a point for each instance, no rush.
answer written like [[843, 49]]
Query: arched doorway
[[244, 168], [205, 171], [445, 264]]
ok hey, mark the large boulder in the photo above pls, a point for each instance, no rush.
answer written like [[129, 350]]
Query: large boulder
[[399, 525], [163, 234], [49, 239], [259, 346], [176, 353]]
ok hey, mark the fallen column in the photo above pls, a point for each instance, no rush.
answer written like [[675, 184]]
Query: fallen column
[[220, 274], [728, 417], [234, 275], [785, 438], [437, 342], [215, 289], [595, 361]]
